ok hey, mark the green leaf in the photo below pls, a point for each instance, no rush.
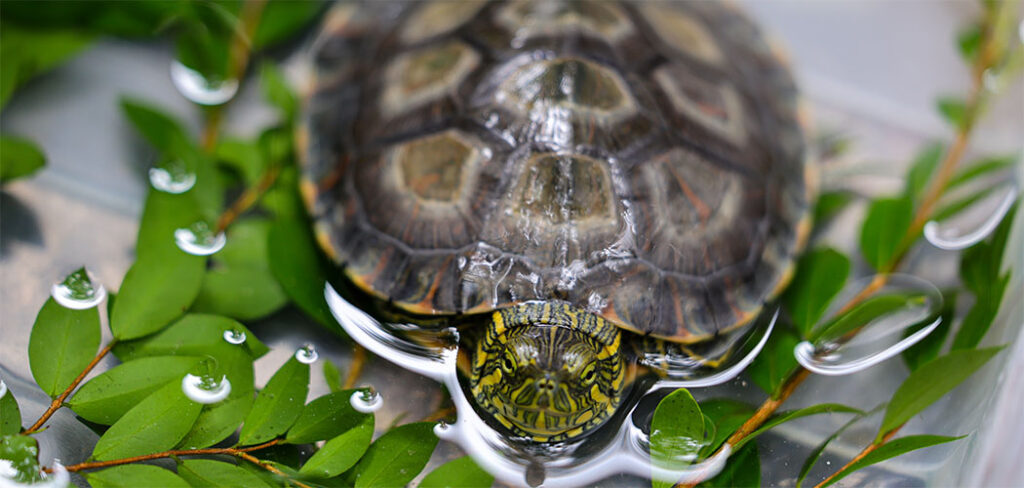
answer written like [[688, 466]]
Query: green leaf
[[770, 368], [10, 414], [282, 199], [820, 275], [201, 473], [241, 292], [677, 432], [931, 382], [980, 271], [342, 452], [333, 376], [830, 204], [277, 91], [986, 166], [815, 454], [954, 110], [29, 51], [192, 335], [155, 424], [727, 415], [951, 209], [165, 133], [279, 405], [324, 418], [863, 313], [154, 293], [928, 348], [19, 158], [107, 397], [892, 449], [921, 170], [134, 476], [968, 41], [887, 221], [23, 453], [458, 473], [62, 343], [396, 457], [244, 157], [162, 215], [282, 20], [218, 421], [299, 269], [743, 469], [795, 414]]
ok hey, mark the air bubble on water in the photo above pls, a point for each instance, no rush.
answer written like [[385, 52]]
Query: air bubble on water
[[199, 240], [205, 389], [366, 401], [952, 237], [234, 336], [307, 354], [200, 89], [78, 291], [442, 429], [172, 177]]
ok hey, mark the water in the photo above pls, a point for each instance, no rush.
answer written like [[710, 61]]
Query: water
[[199, 239], [197, 88], [205, 389], [172, 177], [3, 389], [78, 291], [234, 336], [307, 354], [964, 231], [366, 401], [914, 314]]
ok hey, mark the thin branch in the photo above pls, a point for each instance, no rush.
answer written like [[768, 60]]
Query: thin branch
[[59, 401], [355, 369], [867, 450], [248, 198], [271, 468], [232, 451]]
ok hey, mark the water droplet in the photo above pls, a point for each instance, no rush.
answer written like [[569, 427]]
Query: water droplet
[[199, 89], [900, 314], [990, 79], [199, 239], [172, 177], [78, 291], [1020, 31], [366, 401], [234, 336], [441, 429], [951, 236], [307, 354], [205, 389], [3, 388]]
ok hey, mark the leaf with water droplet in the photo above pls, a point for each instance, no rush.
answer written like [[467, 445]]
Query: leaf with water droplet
[[204, 40], [192, 335], [820, 276], [928, 348], [922, 169], [278, 405], [795, 414], [396, 457], [341, 452], [201, 473], [743, 469], [457, 473], [954, 110], [864, 313], [107, 397], [677, 432], [727, 415], [134, 475], [324, 418], [156, 424], [219, 420], [19, 157], [981, 273], [62, 343], [883, 229], [277, 91], [23, 453], [772, 366], [931, 382], [298, 267], [10, 414], [892, 449], [333, 376]]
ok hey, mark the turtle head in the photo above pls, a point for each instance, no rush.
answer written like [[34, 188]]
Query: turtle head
[[548, 371]]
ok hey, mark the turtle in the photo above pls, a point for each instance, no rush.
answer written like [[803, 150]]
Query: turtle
[[579, 186]]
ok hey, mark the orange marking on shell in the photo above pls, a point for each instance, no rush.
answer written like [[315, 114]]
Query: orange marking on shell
[[308, 192], [428, 299], [323, 239], [702, 209]]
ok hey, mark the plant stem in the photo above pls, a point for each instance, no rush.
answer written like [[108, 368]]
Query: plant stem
[[59, 401], [248, 198], [867, 450], [356, 368], [267, 466], [232, 451]]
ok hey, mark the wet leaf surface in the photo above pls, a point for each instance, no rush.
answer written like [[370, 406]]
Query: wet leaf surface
[[325, 417], [816, 453], [134, 476], [728, 415], [107, 397], [784, 417], [341, 452], [929, 347], [884, 226], [396, 457], [278, 405], [10, 414], [677, 432], [894, 448], [743, 469], [863, 313], [771, 367], [192, 335], [156, 424], [219, 420], [297, 265], [820, 275], [23, 453], [202, 473], [457, 473], [62, 343]]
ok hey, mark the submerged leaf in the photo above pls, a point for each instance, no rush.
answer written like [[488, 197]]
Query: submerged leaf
[[931, 382], [297, 265], [133, 476], [954, 110], [921, 170], [62, 343], [10, 414], [863, 313], [279, 404], [771, 368], [892, 449], [981, 273], [983, 167], [795, 414], [677, 431], [727, 415], [457, 473], [743, 469], [928, 348], [815, 454], [396, 457], [153, 425], [820, 275], [325, 417], [342, 452], [19, 158], [23, 453], [881, 235], [830, 204]]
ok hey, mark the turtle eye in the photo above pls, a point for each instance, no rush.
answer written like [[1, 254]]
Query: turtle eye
[[507, 365], [589, 376]]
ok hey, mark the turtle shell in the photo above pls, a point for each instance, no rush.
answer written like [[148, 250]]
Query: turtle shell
[[644, 162]]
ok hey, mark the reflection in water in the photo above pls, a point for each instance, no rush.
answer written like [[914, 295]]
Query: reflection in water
[[172, 177], [199, 240], [956, 235], [78, 291], [307, 354], [205, 389], [197, 88], [366, 401], [619, 446], [234, 336], [896, 317]]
